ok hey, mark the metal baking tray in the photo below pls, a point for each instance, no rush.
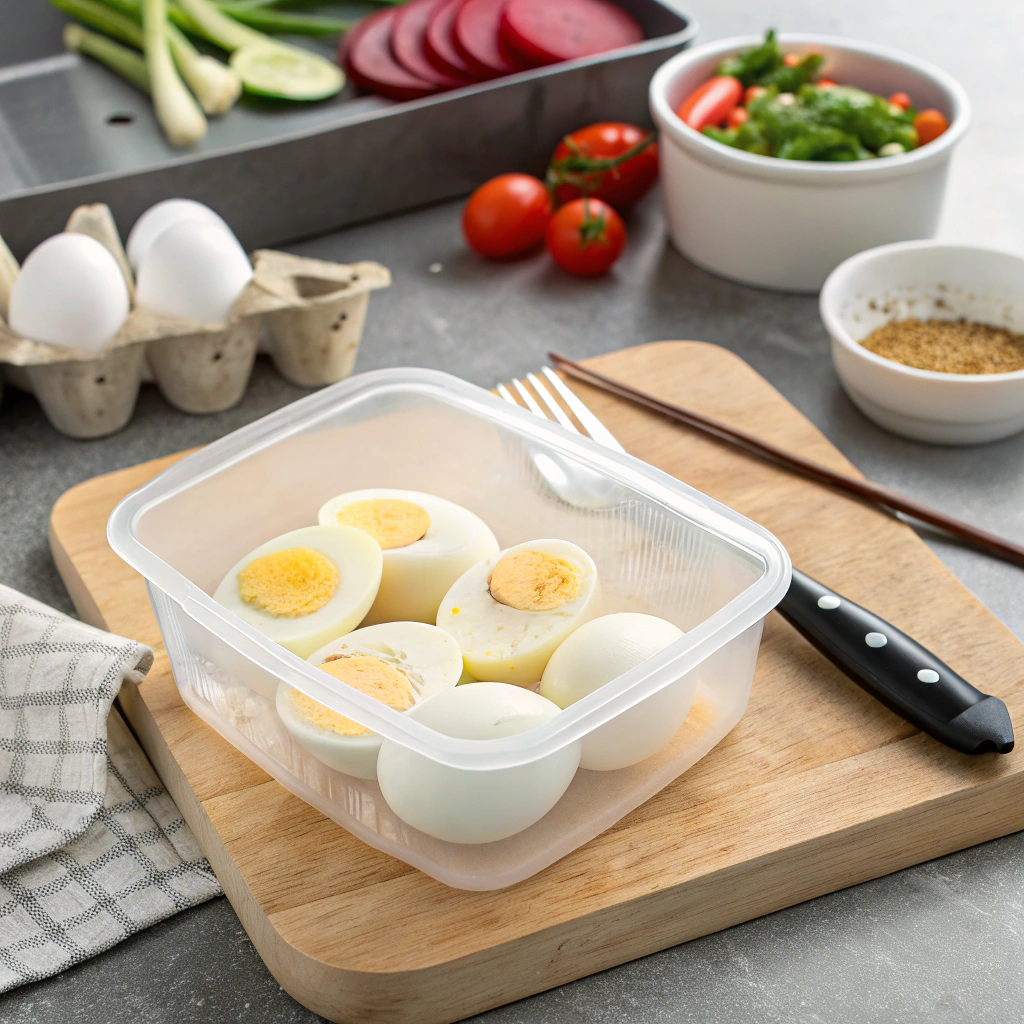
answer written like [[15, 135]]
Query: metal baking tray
[[71, 133]]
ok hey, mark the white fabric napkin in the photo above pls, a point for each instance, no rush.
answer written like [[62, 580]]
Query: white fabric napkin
[[92, 847]]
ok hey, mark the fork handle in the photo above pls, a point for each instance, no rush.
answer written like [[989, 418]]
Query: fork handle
[[897, 670]]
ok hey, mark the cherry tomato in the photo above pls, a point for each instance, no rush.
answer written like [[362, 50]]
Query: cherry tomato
[[791, 60], [754, 92], [585, 162], [711, 103], [929, 125], [826, 83], [737, 116], [900, 99], [586, 237], [506, 216]]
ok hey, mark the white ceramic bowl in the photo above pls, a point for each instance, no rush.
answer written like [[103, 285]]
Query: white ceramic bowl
[[785, 224], [927, 280]]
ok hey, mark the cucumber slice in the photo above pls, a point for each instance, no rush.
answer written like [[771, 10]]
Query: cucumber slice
[[286, 72]]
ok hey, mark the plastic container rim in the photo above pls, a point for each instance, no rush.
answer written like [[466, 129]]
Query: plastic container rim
[[569, 725]]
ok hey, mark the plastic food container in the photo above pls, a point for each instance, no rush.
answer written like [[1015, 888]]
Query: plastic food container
[[664, 549], [930, 281], [786, 223]]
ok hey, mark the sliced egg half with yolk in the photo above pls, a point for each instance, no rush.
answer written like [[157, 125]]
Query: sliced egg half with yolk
[[510, 612], [428, 543], [476, 806], [598, 652], [305, 588], [398, 663]]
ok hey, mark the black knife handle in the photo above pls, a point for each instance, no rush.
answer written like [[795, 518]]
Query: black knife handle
[[897, 670]]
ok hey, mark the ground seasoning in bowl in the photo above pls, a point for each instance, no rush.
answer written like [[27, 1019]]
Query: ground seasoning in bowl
[[948, 346]]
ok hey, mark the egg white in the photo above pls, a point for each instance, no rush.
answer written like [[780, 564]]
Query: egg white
[[507, 644], [463, 806], [429, 658], [600, 651], [416, 577], [358, 560]]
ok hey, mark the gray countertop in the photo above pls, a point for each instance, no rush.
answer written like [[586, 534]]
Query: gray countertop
[[939, 942]]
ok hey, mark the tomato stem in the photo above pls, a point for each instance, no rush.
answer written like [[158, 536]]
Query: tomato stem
[[587, 172]]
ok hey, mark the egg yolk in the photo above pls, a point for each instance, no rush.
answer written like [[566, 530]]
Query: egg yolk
[[391, 522], [289, 583], [367, 674], [534, 582]]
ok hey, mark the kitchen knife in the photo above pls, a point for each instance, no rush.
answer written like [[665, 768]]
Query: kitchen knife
[[897, 670]]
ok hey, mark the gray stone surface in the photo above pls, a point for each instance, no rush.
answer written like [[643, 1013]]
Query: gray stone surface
[[940, 942]]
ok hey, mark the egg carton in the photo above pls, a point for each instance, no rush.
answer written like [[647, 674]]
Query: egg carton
[[308, 314]]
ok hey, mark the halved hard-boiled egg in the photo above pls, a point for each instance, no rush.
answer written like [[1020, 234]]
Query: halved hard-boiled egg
[[428, 543], [476, 806], [509, 612], [398, 663], [598, 652], [305, 588]]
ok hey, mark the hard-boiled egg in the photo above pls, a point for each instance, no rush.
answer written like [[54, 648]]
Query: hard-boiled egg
[[70, 291], [399, 663], [511, 611], [428, 543], [466, 806], [194, 270], [157, 219], [598, 652], [305, 588]]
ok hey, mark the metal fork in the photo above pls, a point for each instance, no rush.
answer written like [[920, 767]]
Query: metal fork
[[574, 483], [882, 659]]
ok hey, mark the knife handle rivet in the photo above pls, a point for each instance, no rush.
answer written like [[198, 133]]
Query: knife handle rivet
[[928, 675], [876, 639], [829, 602]]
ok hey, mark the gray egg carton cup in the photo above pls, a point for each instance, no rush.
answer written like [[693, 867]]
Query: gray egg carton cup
[[308, 313]]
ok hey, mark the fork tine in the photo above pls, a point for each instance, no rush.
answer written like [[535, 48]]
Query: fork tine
[[549, 400], [590, 423], [503, 392], [531, 402]]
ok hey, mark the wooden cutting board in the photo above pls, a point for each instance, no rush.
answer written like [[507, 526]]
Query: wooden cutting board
[[817, 788]]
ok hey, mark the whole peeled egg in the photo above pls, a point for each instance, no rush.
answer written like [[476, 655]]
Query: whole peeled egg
[[194, 270], [476, 806], [598, 652], [69, 291], [158, 218]]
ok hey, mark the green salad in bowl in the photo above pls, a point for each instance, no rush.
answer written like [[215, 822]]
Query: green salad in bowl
[[776, 104]]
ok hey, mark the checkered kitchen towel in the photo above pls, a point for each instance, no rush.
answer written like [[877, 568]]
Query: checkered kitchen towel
[[92, 848]]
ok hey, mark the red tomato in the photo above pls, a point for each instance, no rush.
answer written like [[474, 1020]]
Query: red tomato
[[506, 216], [754, 92], [900, 99], [584, 162], [929, 124], [826, 83], [586, 237], [711, 103], [737, 116], [791, 60]]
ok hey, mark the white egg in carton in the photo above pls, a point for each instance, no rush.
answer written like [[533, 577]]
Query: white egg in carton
[[307, 314]]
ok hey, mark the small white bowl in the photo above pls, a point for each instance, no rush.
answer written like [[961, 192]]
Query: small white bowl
[[785, 224], [927, 280]]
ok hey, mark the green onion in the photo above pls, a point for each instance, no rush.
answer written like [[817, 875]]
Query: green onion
[[217, 87], [268, 20], [124, 62], [177, 112]]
